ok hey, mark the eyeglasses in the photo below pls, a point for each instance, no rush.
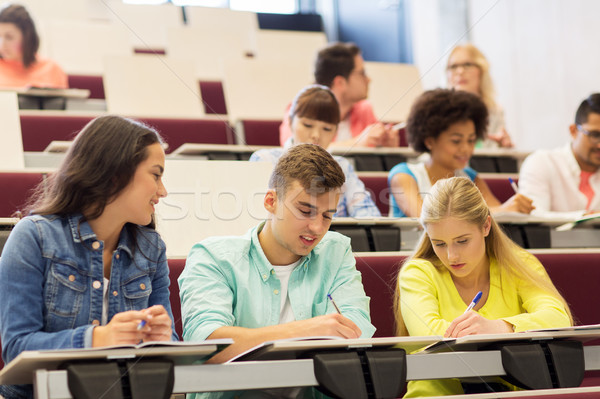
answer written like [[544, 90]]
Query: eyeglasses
[[594, 135], [464, 65]]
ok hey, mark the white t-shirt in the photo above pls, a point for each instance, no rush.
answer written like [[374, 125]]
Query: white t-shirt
[[283, 273], [344, 132], [105, 302]]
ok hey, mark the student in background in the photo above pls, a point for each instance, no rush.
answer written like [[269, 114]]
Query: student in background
[[314, 117], [463, 251], [340, 67], [565, 182], [272, 282], [469, 70], [86, 266], [20, 66], [446, 124]]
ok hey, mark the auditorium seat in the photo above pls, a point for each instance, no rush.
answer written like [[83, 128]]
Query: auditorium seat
[[258, 132], [175, 268], [500, 186], [16, 188], [576, 276], [213, 97], [379, 279], [40, 130], [93, 83], [380, 192]]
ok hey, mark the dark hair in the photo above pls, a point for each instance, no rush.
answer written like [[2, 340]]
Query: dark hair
[[435, 110], [589, 105], [337, 59], [99, 164], [309, 164], [316, 102], [18, 15]]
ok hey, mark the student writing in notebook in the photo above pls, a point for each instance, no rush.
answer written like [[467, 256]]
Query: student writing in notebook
[[20, 65], [86, 267], [314, 117], [272, 283], [461, 252], [446, 124]]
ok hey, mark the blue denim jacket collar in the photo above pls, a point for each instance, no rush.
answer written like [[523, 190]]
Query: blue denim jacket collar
[[265, 268], [82, 231]]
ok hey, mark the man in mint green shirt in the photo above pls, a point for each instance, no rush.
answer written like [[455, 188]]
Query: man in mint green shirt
[[272, 282]]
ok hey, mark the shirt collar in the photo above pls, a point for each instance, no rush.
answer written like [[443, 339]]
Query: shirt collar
[[263, 265], [82, 231], [572, 163]]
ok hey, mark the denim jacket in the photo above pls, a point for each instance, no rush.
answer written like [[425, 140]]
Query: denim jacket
[[51, 284]]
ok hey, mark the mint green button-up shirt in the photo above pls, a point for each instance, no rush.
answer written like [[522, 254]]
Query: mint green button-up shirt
[[228, 281]]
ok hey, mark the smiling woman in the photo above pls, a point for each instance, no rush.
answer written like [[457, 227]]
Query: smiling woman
[[462, 252], [446, 124], [86, 266]]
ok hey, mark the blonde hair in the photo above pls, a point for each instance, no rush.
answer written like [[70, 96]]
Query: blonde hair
[[486, 86], [459, 197]]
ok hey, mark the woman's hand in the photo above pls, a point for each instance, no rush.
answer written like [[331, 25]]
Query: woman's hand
[[472, 323], [158, 326], [123, 328]]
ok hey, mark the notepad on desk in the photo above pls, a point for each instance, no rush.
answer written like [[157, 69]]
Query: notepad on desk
[[21, 369], [583, 219], [296, 348], [481, 341]]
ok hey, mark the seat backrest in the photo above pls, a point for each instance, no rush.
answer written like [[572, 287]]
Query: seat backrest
[[500, 187], [175, 268], [177, 131], [380, 192], [393, 89], [379, 279], [138, 85], [16, 188], [37, 131], [93, 83], [576, 277]]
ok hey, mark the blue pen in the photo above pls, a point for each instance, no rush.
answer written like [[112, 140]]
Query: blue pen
[[141, 325], [513, 185], [474, 301], [333, 302]]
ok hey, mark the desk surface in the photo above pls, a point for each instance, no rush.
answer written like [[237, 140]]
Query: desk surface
[[300, 373], [49, 92]]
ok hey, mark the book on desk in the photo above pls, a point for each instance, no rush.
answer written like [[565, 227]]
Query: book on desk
[[21, 369]]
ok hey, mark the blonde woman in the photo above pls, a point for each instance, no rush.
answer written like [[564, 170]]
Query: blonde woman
[[469, 70], [464, 251]]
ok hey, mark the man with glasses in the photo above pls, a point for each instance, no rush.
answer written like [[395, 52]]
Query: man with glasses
[[565, 182], [341, 67]]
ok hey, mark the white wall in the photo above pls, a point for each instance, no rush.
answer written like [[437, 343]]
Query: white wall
[[543, 53]]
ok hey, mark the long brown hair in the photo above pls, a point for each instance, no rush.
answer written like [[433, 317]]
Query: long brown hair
[[459, 197], [99, 164]]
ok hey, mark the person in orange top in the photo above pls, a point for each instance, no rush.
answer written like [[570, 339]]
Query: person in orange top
[[19, 64]]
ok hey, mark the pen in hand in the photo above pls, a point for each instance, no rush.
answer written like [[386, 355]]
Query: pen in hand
[[474, 301], [334, 304], [513, 185], [141, 325]]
